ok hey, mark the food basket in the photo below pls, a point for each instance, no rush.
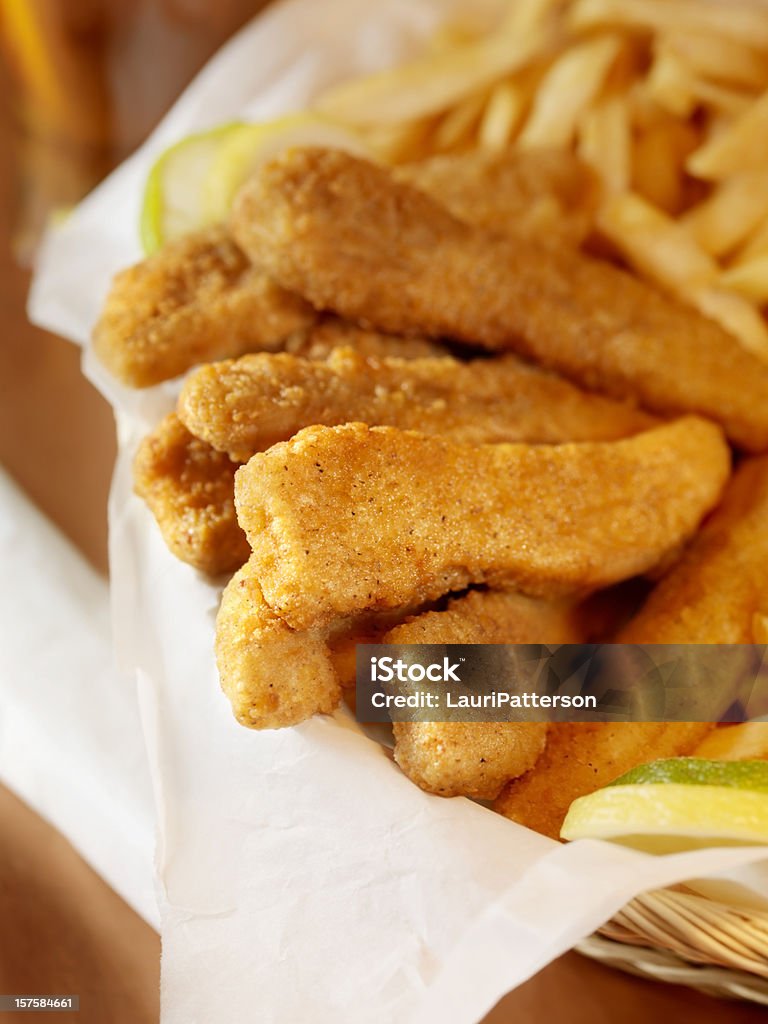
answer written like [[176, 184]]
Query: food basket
[[681, 937], [429, 949]]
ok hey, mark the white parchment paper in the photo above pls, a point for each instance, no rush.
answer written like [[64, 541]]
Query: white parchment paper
[[302, 877]]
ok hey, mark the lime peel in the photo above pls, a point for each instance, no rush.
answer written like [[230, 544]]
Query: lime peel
[[192, 184], [698, 771]]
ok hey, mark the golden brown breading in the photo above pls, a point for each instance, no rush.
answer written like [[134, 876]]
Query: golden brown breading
[[189, 488], [275, 676], [347, 236], [476, 759], [344, 519], [472, 759], [195, 300], [543, 193], [176, 461], [720, 584], [243, 406], [581, 757], [493, 617], [330, 333]]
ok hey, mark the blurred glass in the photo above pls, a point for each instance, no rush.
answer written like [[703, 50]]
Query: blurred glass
[[88, 80]]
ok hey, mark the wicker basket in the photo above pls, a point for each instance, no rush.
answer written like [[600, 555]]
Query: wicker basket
[[678, 936]]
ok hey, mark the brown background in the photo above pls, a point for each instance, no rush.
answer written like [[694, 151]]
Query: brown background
[[62, 930]]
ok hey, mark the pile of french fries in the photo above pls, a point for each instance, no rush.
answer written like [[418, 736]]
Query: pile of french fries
[[667, 100]]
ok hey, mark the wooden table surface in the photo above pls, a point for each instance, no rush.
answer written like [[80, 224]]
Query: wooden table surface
[[62, 929]]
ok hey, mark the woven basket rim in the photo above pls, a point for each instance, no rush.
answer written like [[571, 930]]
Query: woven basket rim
[[684, 937]]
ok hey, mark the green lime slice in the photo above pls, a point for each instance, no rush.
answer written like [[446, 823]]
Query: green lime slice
[[677, 804], [699, 771], [192, 184], [171, 206]]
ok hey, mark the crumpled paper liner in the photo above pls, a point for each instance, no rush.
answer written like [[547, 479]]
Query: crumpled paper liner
[[302, 876]]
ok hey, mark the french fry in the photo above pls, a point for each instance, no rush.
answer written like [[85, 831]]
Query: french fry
[[719, 58], [401, 143], [458, 125], [749, 279], [740, 147], [662, 250], [657, 160], [669, 83], [740, 21], [502, 116], [731, 102], [435, 82], [735, 315], [755, 245], [567, 90], [655, 244], [731, 213], [604, 141]]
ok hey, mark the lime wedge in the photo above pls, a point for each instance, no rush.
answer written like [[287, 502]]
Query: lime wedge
[[677, 804], [192, 184], [699, 771], [171, 205]]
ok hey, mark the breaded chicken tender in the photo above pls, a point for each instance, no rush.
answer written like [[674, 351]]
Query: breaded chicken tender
[[476, 759], [351, 518], [581, 757], [718, 590], [473, 759], [243, 406], [189, 488], [347, 236], [493, 617], [542, 193], [197, 299], [275, 676], [330, 333]]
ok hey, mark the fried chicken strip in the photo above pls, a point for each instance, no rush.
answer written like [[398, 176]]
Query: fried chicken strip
[[541, 193], [350, 238], [719, 588], [197, 299], [473, 759], [476, 759], [189, 488], [330, 333], [243, 406], [344, 519], [581, 757], [493, 617], [275, 676]]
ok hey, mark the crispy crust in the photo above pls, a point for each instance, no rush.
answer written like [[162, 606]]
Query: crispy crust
[[195, 300], [541, 193], [189, 488], [581, 757], [352, 518], [243, 406], [348, 237], [275, 676], [720, 585], [476, 759]]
